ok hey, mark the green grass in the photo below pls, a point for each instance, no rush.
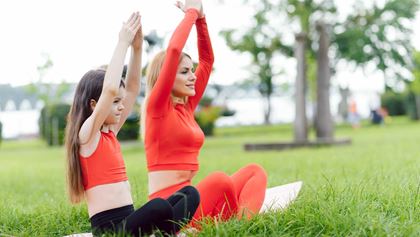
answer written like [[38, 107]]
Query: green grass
[[370, 188]]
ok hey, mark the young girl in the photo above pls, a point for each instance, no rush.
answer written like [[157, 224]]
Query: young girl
[[95, 167], [172, 137]]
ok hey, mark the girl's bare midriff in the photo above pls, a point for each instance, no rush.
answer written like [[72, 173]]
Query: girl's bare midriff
[[108, 196], [159, 180]]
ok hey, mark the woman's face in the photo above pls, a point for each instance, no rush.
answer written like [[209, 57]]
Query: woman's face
[[185, 79]]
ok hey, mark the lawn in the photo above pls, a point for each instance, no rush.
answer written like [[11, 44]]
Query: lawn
[[370, 188]]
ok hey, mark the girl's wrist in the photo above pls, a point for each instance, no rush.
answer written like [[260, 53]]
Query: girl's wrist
[[124, 43]]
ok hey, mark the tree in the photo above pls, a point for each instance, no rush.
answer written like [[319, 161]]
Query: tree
[[414, 88], [262, 42], [300, 124], [48, 93], [306, 13], [1, 132], [380, 34], [324, 124], [53, 115], [363, 37]]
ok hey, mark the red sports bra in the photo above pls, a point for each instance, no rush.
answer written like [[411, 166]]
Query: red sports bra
[[105, 165]]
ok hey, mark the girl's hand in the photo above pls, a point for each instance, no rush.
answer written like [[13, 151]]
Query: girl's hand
[[130, 28], [196, 4], [138, 38]]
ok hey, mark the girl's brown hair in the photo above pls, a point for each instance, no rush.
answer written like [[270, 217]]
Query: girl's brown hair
[[89, 87]]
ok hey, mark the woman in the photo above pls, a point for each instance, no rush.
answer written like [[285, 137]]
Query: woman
[[95, 167], [173, 138]]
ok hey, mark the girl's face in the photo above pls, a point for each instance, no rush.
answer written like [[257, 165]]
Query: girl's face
[[184, 84], [117, 108]]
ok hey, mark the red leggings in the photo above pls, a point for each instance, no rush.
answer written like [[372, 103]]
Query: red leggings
[[223, 196]]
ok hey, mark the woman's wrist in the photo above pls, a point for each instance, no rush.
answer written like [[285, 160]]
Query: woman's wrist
[[194, 10]]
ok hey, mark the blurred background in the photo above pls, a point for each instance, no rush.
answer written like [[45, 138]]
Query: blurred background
[[276, 61]]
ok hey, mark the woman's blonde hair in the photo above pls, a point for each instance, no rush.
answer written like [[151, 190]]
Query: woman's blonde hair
[[152, 74]]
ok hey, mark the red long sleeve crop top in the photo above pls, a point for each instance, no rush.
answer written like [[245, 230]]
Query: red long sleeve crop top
[[173, 138]]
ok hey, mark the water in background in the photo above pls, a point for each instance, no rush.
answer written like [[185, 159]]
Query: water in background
[[20, 124], [248, 111]]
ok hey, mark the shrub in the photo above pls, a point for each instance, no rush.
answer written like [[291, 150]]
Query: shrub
[[412, 100], [130, 129], [207, 114], [1, 132], [52, 123], [206, 117], [394, 103]]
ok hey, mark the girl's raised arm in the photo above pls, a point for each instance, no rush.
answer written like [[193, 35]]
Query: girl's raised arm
[[111, 84], [132, 82]]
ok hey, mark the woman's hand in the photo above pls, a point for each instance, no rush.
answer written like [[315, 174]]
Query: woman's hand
[[130, 28], [196, 4]]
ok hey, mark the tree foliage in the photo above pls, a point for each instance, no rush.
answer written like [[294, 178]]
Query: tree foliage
[[414, 85], [262, 42], [380, 34], [413, 89], [47, 92]]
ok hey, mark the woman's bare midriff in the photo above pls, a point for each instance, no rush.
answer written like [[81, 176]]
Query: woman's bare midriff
[[161, 179], [108, 196]]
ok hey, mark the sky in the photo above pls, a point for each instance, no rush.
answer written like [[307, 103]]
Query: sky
[[81, 35]]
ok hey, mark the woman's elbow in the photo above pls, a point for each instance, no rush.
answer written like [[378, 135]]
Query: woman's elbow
[[211, 59], [173, 51]]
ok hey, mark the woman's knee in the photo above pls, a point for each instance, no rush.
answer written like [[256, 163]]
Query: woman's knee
[[219, 182], [257, 170]]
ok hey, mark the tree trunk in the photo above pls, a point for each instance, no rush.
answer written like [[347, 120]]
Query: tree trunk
[[300, 124], [417, 103], [324, 125], [267, 112]]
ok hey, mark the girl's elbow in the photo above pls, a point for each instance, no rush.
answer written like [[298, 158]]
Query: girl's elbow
[[110, 90]]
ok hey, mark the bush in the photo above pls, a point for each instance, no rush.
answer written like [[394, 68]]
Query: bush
[[1, 132], [130, 129], [394, 103], [412, 105], [207, 114], [206, 117], [52, 123]]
